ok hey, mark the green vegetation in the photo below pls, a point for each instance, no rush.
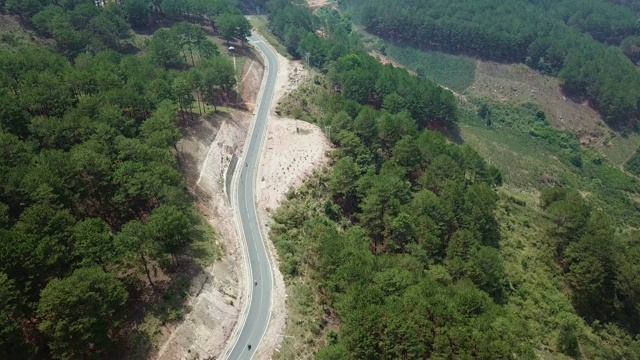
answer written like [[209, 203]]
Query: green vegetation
[[411, 232], [618, 147], [568, 38], [633, 164], [532, 154], [454, 72], [410, 247], [97, 229], [358, 77]]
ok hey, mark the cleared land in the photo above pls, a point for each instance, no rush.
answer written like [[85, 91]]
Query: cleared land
[[518, 83]]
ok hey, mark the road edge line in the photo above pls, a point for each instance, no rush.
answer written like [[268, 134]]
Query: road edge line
[[265, 238], [236, 178]]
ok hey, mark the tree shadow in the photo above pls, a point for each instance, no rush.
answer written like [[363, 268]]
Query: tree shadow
[[451, 131], [150, 308]]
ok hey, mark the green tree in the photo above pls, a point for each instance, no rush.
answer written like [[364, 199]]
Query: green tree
[[568, 339], [164, 49], [11, 341], [216, 76], [570, 216], [160, 130], [189, 37], [479, 212], [80, 312], [365, 126], [342, 183], [52, 228], [233, 27], [443, 169], [487, 271], [109, 26], [174, 8], [400, 233], [24, 8], [170, 227], [13, 118], [93, 242], [387, 194], [207, 48], [394, 103], [136, 11], [135, 244], [183, 89]]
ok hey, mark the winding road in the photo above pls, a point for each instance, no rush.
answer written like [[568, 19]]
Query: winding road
[[255, 320]]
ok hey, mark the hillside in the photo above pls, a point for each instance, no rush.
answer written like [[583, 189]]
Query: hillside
[[575, 40], [100, 238], [373, 246]]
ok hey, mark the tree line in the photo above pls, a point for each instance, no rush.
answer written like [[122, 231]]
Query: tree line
[[354, 73], [570, 39], [92, 203], [90, 191]]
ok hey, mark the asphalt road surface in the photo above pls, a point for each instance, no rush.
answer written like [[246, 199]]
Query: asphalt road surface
[[255, 323]]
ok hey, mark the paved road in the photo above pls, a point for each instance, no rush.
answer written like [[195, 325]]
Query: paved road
[[255, 323]]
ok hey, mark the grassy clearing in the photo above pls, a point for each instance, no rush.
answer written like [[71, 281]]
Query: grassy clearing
[[454, 72], [523, 163], [238, 66], [260, 25], [140, 41], [534, 283], [516, 83], [618, 149], [302, 332], [532, 156]]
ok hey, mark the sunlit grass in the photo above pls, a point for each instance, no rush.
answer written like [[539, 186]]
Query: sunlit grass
[[619, 149]]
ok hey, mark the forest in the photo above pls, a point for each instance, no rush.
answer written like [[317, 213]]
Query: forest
[[92, 203], [590, 45], [401, 238]]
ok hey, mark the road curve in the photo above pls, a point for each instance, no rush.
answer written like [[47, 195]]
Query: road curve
[[254, 324]]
